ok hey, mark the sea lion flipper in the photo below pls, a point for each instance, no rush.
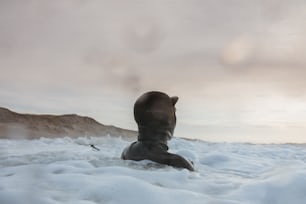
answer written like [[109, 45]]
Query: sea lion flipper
[[172, 160], [180, 162]]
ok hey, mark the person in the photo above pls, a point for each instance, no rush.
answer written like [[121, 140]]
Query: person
[[154, 113]]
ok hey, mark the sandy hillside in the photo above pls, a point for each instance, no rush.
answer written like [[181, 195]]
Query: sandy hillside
[[16, 125]]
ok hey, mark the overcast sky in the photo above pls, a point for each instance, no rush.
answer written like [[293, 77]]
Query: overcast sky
[[239, 67]]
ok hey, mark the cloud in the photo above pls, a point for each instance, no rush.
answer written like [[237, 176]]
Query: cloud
[[136, 44]]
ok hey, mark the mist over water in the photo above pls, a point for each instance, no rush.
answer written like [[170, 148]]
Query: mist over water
[[238, 67]]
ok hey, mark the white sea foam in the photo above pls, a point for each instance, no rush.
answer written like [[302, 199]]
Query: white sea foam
[[66, 170]]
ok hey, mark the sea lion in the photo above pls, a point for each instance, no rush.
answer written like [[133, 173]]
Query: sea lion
[[154, 113]]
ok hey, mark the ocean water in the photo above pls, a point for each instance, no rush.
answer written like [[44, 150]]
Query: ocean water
[[65, 170]]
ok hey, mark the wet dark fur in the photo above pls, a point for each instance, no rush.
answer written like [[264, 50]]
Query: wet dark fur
[[154, 113]]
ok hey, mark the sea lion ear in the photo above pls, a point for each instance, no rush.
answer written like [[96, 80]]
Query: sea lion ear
[[174, 100]]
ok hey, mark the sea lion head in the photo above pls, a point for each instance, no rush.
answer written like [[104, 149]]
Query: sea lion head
[[154, 113]]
